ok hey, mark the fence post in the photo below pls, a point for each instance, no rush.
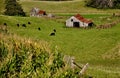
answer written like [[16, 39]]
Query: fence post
[[84, 69]]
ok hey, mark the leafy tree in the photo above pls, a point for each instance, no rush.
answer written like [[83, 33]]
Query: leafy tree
[[103, 3], [13, 8], [117, 4]]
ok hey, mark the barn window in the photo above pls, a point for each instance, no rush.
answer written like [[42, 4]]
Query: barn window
[[71, 20]]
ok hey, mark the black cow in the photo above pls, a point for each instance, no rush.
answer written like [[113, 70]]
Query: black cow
[[5, 24], [24, 25], [52, 34], [39, 28], [54, 30], [29, 22], [18, 25]]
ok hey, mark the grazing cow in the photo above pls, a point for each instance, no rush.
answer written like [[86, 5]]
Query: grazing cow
[[18, 25], [52, 34], [29, 22], [39, 28], [90, 77], [5, 24], [24, 25], [54, 30]]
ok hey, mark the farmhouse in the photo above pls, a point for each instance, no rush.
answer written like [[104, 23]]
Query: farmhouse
[[78, 21], [36, 12]]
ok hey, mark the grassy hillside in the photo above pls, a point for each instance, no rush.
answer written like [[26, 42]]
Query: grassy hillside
[[20, 57], [99, 47], [75, 6]]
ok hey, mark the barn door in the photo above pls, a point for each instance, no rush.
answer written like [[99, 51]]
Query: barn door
[[90, 24], [76, 24]]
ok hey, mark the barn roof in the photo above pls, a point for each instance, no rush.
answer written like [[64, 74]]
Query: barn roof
[[41, 12], [81, 18]]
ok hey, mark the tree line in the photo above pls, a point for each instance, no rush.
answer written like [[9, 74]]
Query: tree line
[[13, 8], [102, 4]]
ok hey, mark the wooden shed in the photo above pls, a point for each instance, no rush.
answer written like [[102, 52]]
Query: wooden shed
[[78, 21], [41, 13]]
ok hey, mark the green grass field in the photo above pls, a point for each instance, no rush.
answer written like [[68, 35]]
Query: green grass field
[[99, 48], [75, 6]]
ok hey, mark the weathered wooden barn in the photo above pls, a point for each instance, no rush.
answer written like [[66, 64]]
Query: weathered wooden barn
[[42, 13], [78, 21], [37, 12]]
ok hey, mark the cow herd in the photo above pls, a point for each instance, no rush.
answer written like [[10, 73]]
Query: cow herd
[[53, 33], [4, 27], [23, 25]]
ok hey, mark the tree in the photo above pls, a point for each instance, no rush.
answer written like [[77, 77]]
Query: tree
[[103, 3], [13, 8], [117, 4]]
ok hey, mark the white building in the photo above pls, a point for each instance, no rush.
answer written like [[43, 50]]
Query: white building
[[78, 21], [37, 13]]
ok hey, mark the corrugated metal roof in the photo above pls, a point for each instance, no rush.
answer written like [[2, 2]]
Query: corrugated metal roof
[[41, 12], [81, 18]]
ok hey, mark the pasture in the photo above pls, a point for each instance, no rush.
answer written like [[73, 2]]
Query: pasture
[[98, 47], [61, 7]]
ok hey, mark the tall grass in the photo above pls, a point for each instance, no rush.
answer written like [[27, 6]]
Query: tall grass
[[23, 58]]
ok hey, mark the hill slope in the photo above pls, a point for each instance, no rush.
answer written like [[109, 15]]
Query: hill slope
[[100, 48], [75, 6]]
